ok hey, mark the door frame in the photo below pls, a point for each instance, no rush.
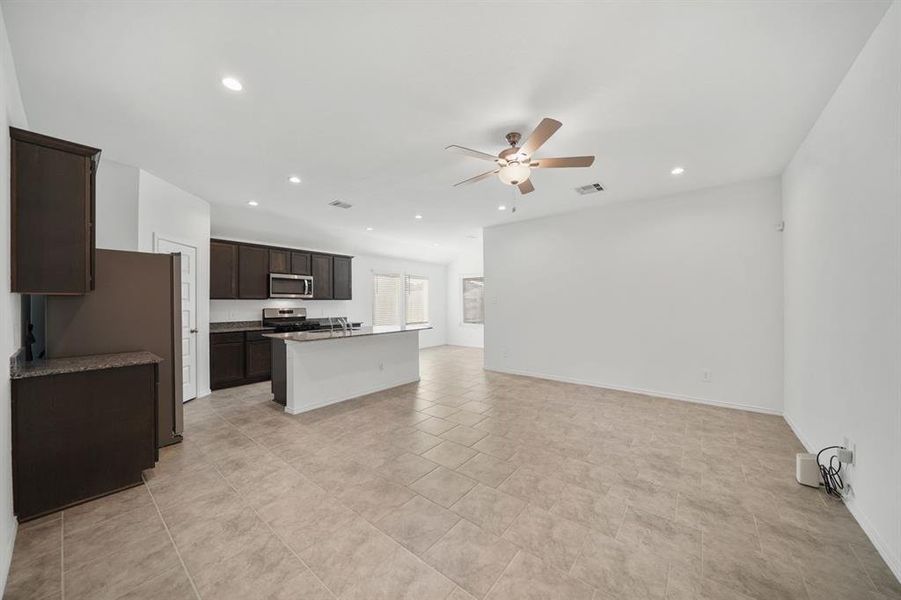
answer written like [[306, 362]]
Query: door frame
[[157, 237]]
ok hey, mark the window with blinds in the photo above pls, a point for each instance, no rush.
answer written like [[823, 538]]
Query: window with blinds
[[386, 299], [473, 299], [417, 300]]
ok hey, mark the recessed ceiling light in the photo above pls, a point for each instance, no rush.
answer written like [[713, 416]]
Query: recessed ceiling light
[[502, 207], [677, 171], [370, 228], [418, 217], [436, 245], [294, 179], [253, 203], [232, 84]]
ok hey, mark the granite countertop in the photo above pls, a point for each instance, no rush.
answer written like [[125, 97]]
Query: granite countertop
[[317, 336], [238, 326], [76, 364]]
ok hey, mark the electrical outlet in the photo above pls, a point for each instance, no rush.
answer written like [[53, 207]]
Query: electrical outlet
[[706, 375], [846, 456]]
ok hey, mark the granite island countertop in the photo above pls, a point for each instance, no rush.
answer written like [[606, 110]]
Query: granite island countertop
[[320, 335], [238, 326], [76, 364]]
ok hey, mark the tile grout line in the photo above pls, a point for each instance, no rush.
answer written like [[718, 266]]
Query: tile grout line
[[172, 541], [266, 523], [271, 530]]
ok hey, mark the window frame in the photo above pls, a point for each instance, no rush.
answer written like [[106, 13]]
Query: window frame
[[463, 280], [428, 293], [400, 314]]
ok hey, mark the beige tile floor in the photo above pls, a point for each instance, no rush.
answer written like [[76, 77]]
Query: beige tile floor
[[469, 484]]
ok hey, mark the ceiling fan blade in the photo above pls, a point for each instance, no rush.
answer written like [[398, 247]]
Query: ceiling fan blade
[[545, 130], [526, 187], [557, 163], [472, 153], [477, 178]]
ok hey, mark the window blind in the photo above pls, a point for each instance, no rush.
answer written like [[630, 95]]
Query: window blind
[[417, 297], [473, 299], [386, 300]]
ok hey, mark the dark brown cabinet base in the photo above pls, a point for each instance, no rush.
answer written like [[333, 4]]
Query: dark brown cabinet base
[[77, 436], [238, 358]]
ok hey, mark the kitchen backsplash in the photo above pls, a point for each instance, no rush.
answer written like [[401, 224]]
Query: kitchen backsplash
[[252, 310]]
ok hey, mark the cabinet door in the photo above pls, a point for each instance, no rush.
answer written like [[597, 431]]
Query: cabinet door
[[342, 277], [223, 270], [52, 229], [258, 359], [279, 261], [253, 272], [226, 363], [300, 263], [322, 277]]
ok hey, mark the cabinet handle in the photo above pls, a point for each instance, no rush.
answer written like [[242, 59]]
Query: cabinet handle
[[193, 331]]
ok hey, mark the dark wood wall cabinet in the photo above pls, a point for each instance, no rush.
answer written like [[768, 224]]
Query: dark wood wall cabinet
[[240, 357], [241, 271], [52, 185], [223, 270], [80, 435]]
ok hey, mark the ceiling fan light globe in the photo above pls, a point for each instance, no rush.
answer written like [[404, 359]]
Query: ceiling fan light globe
[[514, 173]]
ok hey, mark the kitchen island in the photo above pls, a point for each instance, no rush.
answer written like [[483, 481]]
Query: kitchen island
[[311, 369]]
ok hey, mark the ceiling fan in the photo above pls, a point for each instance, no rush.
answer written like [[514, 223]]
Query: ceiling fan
[[515, 164]]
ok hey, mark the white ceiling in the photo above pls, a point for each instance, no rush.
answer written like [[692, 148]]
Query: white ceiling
[[360, 99]]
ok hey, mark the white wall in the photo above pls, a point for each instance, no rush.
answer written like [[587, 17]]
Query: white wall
[[357, 309], [10, 333], [467, 264], [117, 205], [170, 212], [842, 203], [645, 295]]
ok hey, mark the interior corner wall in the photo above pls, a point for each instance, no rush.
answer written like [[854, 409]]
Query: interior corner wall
[[167, 211], [645, 296], [10, 308], [116, 200], [468, 264], [842, 204]]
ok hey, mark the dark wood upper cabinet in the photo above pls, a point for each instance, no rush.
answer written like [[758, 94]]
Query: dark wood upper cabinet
[[300, 263], [223, 270], [52, 200], [241, 271], [279, 261], [253, 272], [322, 277], [341, 278]]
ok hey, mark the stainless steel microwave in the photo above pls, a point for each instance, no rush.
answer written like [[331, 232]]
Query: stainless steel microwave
[[285, 285]]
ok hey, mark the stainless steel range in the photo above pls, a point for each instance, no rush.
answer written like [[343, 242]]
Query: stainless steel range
[[288, 319]]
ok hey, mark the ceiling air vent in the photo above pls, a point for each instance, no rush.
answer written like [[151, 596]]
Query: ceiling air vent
[[591, 188], [340, 204]]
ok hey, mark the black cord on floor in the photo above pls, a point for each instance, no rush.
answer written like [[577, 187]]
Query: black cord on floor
[[832, 481]]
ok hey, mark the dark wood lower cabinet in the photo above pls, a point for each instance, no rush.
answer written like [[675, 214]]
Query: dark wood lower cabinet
[[258, 358], [238, 358], [77, 436]]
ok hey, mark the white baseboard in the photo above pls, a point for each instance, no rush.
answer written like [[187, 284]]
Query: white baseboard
[[884, 549], [336, 400], [659, 394]]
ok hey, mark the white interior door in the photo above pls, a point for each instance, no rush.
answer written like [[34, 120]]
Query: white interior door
[[188, 312]]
